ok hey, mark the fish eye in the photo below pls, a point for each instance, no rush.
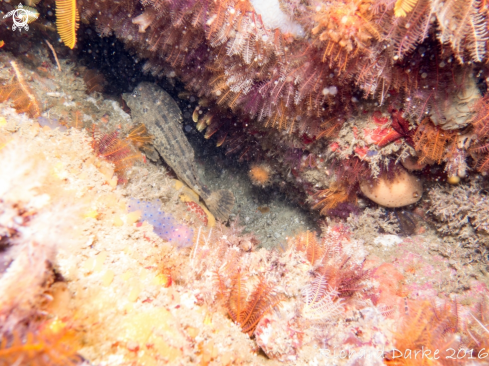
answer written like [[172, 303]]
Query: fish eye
[[135, 94]]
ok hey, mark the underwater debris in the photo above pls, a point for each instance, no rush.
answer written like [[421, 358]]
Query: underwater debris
[[54, 54], [263, 209]]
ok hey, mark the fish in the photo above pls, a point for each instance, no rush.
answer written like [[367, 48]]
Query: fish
[[156, 109], [32, 14]]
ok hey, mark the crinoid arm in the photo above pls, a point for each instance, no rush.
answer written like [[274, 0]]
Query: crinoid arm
[[20, 94], [248, 309]]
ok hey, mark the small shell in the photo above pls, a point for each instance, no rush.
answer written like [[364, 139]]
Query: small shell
[[403, 190]]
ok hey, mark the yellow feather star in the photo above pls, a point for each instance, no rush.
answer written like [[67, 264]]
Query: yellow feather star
[[403, 7], [67, 21]]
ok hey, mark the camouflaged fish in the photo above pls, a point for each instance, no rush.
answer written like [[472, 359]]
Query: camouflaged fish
[[153, 107]]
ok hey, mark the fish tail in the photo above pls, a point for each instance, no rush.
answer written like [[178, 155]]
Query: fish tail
[[220, 204]]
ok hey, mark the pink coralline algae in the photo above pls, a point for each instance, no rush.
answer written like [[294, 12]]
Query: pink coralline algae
[[165, 225]]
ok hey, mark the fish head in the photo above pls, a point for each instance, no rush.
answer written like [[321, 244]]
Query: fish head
[[141, 95]]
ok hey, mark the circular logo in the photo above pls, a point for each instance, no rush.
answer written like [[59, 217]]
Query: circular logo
[[21, 17]]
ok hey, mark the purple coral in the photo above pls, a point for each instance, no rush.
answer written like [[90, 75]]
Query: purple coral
[[165, 225]]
